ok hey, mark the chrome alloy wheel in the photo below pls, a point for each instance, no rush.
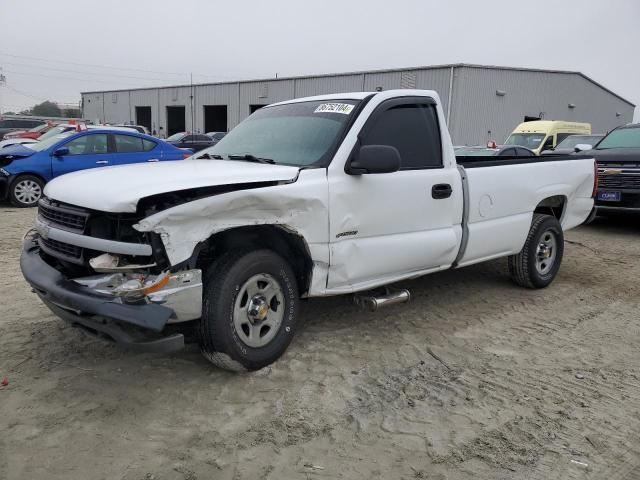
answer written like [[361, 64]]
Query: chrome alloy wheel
[[27, 191], [258, 310], [546, 252]]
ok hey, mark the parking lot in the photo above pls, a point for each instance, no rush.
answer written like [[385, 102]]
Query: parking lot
[[474, 378]]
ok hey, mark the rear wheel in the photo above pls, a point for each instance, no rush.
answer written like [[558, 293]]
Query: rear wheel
[[538, 262], [250, 310], [25, 191]]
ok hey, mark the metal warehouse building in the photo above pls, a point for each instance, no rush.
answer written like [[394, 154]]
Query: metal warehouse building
[[481, 102]]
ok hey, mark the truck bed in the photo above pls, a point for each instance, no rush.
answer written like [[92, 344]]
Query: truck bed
[[499, 202], [477, 161]]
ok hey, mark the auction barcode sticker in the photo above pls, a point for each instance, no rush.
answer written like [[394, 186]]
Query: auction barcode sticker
[[344, 108]]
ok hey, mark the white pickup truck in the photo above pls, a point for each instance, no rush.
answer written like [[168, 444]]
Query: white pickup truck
[[327, 195]]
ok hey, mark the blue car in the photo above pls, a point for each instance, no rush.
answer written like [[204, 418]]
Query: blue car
[[25, 169]]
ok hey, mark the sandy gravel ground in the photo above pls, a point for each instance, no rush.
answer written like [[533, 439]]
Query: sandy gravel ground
[[475, 378]]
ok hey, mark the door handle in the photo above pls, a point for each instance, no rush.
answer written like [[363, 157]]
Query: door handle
[[153, 160], [441, 190], [102, 161]]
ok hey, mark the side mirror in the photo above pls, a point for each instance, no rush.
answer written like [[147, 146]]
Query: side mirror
[[61, 152], [374, 159], [582, 147]]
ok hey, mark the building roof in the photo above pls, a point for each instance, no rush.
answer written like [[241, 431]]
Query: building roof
[[362, 72]]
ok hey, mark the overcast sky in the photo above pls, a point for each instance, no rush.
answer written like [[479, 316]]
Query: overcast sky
[[55, 50]]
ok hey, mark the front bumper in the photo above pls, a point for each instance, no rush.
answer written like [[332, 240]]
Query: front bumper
[[4, 187], [138, 324], [629, 201]]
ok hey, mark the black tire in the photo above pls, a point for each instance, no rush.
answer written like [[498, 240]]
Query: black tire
[[18, 191], [528, 268], [220, 341]]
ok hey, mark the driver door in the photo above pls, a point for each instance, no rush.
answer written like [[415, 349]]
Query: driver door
[[391, 225], [90, 150]]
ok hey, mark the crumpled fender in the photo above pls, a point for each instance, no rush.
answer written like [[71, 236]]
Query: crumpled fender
[[300, 207]]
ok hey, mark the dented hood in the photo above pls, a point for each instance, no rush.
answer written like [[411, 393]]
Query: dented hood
[[118, 189]]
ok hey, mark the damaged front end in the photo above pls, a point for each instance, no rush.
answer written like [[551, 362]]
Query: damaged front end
[[96, 271]]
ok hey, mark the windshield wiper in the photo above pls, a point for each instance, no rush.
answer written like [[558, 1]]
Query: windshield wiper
[[206, 156], [251, 158]]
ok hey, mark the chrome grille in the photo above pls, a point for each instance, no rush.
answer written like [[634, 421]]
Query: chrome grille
[[619, 180], [65, 217], [61, 250]]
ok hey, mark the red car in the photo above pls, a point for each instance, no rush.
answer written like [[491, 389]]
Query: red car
[[34, 133]]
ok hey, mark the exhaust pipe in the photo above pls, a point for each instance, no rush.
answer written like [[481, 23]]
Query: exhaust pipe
[[375, 302]]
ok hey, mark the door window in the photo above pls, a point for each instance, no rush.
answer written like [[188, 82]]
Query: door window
[[548, 143], [88, 144], [507, 152], [148, 145], [523, 152], [561, 136], [128, 144], [413, 129]]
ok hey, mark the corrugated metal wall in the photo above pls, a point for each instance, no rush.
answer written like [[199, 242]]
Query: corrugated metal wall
[[264, 93], [479, 114], [224, 94], [145, 98], [308, 87]]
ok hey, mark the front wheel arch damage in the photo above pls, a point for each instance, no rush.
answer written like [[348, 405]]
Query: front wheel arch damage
[[288, 244]]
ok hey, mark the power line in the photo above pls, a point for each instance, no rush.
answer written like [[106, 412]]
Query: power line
[[36, 97], [110, 67], [89, 64], [67, 78], [82, 72]]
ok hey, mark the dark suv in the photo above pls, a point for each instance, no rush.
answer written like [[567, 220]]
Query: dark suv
[[12, 124], [618, 158]]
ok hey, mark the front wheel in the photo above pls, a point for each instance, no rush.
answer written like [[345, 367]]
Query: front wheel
[[250, 310], [538, 262], [25, 191]]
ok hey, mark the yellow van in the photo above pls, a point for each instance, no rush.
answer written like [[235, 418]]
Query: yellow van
[[542, 135]]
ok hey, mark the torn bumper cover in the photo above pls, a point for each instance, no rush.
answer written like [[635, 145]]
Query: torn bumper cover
[[86, 303]]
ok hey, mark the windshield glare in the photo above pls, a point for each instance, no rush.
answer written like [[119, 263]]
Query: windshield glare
[[39, 127], [44, 144], [176, 137], [476, 152], [529, 140], [621, 138], [53, 132], [300, 134], [573, 140]]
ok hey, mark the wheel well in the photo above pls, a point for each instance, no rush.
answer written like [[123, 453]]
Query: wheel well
[[290, 246], [23, 174], [553, 206]]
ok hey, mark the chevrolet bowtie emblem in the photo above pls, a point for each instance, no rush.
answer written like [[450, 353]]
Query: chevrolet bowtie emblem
[[612, 171]]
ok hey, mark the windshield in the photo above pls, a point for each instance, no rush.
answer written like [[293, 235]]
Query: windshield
[[39, 127], [44, 144], [476, 152], [299, 134], [53, 132], [573, 140], [621, 138], [176, 137], [529, 140]]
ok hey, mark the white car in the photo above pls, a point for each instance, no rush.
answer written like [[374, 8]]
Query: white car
[[329, 195], [16, 141]]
